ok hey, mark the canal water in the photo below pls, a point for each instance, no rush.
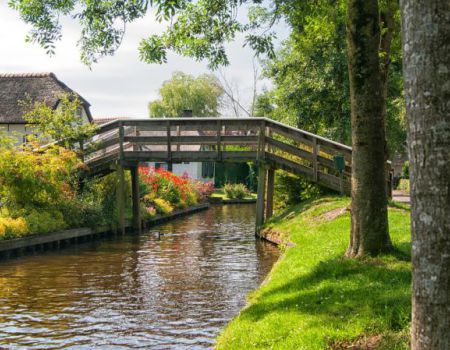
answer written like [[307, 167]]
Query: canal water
[[175, 291]]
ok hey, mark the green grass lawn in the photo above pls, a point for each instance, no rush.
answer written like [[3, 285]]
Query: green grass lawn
[[219, 193], [316, 299]]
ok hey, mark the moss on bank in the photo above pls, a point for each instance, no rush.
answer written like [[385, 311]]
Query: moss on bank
[[316, 299]]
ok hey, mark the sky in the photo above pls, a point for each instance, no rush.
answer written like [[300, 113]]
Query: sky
[[120, 85]]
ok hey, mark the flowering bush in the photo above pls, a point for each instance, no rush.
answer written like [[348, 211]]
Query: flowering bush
[[163, 206], [162, 189], [39, 191], [204, 189], [12, 228]]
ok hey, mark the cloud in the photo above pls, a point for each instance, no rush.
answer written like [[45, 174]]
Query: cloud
[[117, 85]]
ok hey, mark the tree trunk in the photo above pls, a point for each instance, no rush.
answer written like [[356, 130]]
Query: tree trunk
[[426, 62], [369, 232]]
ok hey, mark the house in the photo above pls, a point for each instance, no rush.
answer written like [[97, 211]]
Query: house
[[16, 87], [203, 171]]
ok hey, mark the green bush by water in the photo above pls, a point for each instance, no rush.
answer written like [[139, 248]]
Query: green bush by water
[[235, 191]]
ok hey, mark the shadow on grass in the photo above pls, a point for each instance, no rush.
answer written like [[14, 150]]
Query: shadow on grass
[[342, 288]]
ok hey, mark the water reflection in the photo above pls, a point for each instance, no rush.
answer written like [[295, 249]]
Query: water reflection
[[172, 292]]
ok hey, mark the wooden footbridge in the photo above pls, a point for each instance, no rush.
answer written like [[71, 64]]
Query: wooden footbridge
[[123, 144]]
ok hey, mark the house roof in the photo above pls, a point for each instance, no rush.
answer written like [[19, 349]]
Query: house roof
[[103, 120], [15, 87]]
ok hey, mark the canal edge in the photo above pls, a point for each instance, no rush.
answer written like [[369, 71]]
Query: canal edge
[[56, 240]]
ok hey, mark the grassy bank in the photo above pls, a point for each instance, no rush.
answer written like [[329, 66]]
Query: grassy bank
[[219, 193], [316, 299]]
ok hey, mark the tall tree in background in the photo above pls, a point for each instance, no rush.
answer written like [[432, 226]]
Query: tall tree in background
[[202, 95], [426, 52], [369, 231]]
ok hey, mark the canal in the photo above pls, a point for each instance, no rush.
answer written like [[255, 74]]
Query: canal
[[175, 290]]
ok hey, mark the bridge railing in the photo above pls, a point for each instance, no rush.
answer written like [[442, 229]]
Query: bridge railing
[[222, 139]]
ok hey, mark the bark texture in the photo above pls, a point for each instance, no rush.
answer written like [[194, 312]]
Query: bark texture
[[426, 61], [369, 234]]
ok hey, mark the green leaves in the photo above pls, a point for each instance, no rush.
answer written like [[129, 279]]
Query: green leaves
[[65, 123], [183, 91], [152, 50], [195, 29]]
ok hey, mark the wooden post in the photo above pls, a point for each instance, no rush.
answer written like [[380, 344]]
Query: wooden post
[[314, 160], [262, 142], [261, 196], [136, 197], [219, 138], [270, 192], [120, 197], [120, 189], [169, 148]]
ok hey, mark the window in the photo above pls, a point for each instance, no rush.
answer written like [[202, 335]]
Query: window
[[208, 169]]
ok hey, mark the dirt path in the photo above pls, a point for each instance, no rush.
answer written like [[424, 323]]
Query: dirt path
[[401, 197]]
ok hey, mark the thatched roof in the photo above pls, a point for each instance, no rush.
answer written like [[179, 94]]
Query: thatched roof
[[15, 87]]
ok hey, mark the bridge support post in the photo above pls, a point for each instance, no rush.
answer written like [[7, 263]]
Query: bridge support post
[[262, 170], [136, 197], [120, 197], [120, 194], [270, 192]]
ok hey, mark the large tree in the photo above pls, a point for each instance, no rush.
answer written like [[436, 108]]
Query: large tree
[[201, 29], [183, 91], [426, 47], [369, 232]]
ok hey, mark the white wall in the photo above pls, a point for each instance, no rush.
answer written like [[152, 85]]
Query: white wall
[[18, 131], [21, 130], [194, 169]]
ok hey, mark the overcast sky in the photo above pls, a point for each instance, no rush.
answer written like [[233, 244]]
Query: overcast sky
[[120, 85]]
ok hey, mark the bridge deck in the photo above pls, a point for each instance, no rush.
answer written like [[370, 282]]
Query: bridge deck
[[220, 140]]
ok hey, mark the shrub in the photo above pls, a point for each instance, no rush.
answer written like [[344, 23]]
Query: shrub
[[235, 191], [292, 189], [405, 170], [44, 221], [13, 228], [403, 185], [162, 206]]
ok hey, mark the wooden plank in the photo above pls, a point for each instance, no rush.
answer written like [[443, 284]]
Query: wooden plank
[[335, 148], [121, 141], [333, 182], [309, 136], [289, 148], [152, 140], [289, 165], [108, 127], [28, 241], [314, 160], [239, 156], [190, 156], [191, 140], [107, 158], [294, 134]]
